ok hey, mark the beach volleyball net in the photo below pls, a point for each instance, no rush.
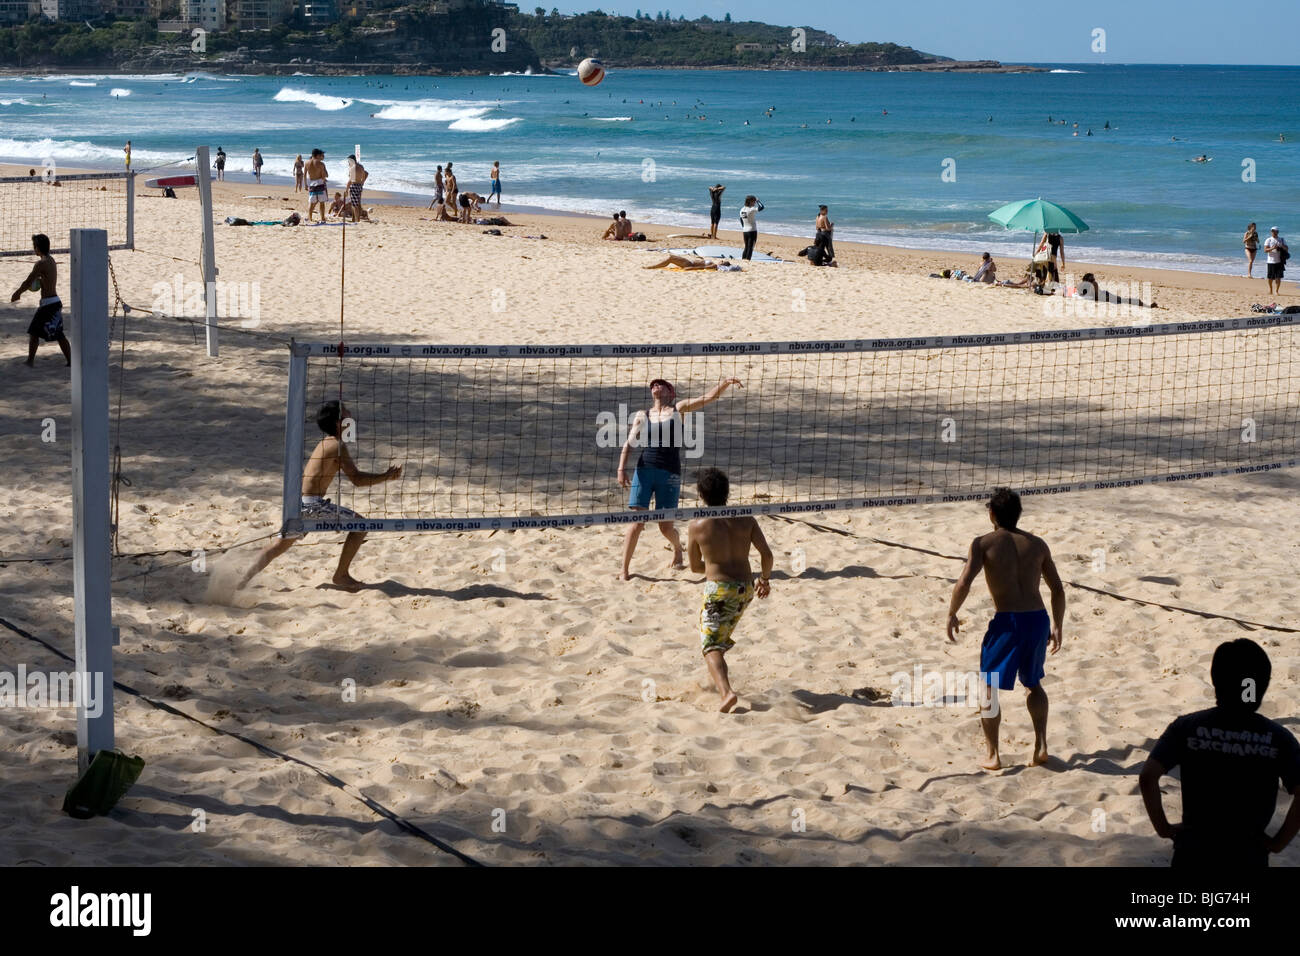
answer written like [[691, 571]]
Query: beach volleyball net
[[54, 204], [530, 436]]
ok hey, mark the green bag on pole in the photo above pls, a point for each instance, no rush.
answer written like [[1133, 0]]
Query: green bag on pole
[[106, 781]]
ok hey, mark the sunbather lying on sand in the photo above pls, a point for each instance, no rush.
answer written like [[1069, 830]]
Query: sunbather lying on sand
[[1089, 287], [683, 262]]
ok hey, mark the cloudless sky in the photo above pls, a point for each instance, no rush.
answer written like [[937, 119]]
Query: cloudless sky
[[1023, 31]]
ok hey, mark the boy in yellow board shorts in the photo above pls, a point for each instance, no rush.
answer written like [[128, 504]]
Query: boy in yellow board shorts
[[720, 548]]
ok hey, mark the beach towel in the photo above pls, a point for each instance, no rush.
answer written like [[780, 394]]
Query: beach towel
[[720, 252]]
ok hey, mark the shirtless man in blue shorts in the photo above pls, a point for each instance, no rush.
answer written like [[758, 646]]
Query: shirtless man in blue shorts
[[1013, 562]]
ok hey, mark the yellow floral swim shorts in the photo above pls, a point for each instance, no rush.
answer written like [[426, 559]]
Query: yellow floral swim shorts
[[724, 605]]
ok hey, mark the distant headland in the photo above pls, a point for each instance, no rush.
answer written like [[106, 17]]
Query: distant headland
[[434, 37]]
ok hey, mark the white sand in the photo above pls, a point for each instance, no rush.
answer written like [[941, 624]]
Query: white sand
[[545, 689]]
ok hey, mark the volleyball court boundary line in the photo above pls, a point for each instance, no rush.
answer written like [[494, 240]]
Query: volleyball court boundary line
[[1212, 615], [370, 803]]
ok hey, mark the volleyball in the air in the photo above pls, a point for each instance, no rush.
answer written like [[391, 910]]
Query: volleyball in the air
[[591, 71]]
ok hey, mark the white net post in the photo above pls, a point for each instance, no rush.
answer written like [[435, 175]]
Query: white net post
[[130, 210], [207, 258], [92, 546], [293, 437]]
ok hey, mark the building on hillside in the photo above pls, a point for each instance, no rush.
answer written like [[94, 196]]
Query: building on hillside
[[19, 11], [258, 14], [318, 13], [208, 14], [72, 9], [128, 9]]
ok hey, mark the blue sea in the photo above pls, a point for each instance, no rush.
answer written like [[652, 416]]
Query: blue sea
[[874, 146]]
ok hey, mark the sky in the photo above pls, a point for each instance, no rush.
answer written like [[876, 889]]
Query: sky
[[1024, 31]]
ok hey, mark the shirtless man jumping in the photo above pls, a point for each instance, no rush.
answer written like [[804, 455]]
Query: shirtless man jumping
[[1013, 561], [719, 547], [327, 459]]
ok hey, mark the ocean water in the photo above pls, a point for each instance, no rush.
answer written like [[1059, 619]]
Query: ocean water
[[652, 141]]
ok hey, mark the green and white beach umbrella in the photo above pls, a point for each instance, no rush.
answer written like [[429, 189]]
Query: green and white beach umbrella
[[1038, 215]]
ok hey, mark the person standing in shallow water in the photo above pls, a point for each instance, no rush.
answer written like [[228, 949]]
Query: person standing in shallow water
[[1251, 243], [715, 208], [1013, 562], [749, 224]]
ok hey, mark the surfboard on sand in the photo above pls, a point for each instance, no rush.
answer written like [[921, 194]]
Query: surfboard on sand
[[172, 182]]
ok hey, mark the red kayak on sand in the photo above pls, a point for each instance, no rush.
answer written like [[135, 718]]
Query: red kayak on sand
[[172, 182]]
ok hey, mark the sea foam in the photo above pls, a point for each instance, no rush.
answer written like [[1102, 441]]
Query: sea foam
[[319, 100]]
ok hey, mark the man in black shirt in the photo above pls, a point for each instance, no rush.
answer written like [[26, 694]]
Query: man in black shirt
[[1232, 759]]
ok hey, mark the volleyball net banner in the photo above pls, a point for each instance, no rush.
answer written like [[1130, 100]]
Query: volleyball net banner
[[530, 436], [35, 204]]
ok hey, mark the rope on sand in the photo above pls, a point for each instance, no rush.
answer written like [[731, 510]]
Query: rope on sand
[[1241, 622], [373, 805]]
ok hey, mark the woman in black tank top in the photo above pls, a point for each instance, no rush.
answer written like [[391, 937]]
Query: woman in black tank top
[[659, 432]]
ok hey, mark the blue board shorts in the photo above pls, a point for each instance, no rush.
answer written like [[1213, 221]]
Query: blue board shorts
[[1015, 645], [666, 486]]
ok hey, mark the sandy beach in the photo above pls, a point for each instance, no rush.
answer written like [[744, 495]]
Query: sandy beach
[[512, 698]]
